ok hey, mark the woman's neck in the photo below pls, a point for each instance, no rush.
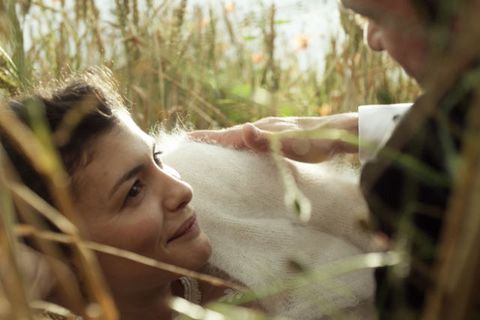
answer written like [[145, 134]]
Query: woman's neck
[[145, 305]]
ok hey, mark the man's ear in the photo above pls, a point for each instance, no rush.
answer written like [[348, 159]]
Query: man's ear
[[373, 36]]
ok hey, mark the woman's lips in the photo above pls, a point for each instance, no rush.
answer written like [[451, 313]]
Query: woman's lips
[[190, 226]]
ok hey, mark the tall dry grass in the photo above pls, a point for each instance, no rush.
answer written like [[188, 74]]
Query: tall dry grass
[[197, 65]]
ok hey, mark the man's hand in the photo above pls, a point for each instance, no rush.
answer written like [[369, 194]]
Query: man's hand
[[306, 139]]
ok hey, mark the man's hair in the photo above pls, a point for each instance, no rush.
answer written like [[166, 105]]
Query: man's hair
[[76, 113], [429, 8]]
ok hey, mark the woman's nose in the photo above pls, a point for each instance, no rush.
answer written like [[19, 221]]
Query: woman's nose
[[374, 37], [177, 194]]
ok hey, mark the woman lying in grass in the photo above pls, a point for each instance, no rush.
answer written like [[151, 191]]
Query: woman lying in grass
[[131, 197]]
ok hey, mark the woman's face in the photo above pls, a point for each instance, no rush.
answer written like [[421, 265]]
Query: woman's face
[[130, 200]]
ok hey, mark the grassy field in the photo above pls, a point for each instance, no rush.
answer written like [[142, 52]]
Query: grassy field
[[193, 68]]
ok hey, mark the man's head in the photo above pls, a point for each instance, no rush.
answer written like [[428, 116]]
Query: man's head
[[400, 27]]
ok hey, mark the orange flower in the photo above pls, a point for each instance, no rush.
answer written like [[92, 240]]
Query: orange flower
[[302, 42], [258, 58], [230, 7]]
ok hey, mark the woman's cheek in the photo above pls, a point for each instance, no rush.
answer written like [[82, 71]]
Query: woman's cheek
[[145, 235], [136, 231]]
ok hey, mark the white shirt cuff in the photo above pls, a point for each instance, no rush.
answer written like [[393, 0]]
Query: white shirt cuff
[[375, 126]]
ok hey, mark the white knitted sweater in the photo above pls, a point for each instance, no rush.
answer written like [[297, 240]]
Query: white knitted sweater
[[239, 200]]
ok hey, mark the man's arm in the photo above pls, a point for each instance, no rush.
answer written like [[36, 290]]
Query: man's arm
[[306, 139]]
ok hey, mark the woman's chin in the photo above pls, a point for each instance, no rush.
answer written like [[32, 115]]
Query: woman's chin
[[202, 250], [196, 254]]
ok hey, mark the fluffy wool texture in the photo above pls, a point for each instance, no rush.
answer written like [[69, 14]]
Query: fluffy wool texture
[[239, 201]]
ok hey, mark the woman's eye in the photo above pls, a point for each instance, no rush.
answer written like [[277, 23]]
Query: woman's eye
[[134, 191]]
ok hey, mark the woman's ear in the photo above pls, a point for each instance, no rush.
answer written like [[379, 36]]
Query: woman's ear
[[36, 272], [373, 36]]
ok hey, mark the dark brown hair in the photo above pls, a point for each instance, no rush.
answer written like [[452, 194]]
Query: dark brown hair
[[76, 113]]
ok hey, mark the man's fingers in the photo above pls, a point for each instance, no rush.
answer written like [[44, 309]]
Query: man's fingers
[[306, 150], [345, 147], [295, 143], [254, 138], [310, 150], [231, 137]]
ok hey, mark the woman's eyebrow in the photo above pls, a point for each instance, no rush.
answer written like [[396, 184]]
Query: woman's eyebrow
[[127, 176]]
